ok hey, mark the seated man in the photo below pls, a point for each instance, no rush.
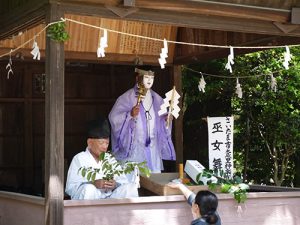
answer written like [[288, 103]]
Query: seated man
[[78, 187]]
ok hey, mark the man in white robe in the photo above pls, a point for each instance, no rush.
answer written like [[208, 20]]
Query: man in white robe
[[78, 187]]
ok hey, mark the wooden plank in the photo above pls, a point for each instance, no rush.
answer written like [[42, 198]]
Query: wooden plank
[[134, 211], [157, 183], [54, 127], [186, 20], [24, 17], [86, 39], [102, 2], [110, 58], [184, 54], [218, 9], [274, 208], [195, 55], [265, 11], [18, 208], [210, 22]]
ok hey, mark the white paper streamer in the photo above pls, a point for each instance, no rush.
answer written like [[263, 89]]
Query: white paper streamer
[[273, 83], [163, 55], [202, 84], [102, 44], [238, 87], [9, 66], [35, 51], [136, 177], [230, 60], [287, 57], [171, 101]]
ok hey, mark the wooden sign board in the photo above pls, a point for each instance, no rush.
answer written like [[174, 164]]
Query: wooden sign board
[[157, 183]]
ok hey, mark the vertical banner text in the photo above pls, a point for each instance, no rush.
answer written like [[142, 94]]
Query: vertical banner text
[[220, 144]]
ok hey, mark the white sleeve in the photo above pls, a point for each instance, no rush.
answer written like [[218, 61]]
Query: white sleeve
[[74, 179]]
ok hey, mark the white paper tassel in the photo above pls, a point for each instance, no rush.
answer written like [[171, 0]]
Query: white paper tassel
[[238, 87], [35, 51], [163, 55], [102, 44], [136, 177], [170, 105], [239, 210], [162, 61], [202, 84], [273, 83], [9, 66], [230, 60], [287, 57]]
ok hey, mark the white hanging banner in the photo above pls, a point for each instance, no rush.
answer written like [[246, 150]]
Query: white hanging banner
[[220, 144]]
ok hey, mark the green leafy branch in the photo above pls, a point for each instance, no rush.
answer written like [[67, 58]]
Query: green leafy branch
[[57, 32], [111, 168], [234, 186]]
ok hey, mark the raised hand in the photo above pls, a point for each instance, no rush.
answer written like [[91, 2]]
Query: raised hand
[[135, 111]]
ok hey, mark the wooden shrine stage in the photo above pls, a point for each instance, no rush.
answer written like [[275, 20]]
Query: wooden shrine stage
[[261, 208]]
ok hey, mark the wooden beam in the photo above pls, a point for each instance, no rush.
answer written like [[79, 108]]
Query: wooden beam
[[28, 129], [211, 22], [54, 127], [110, 58], [22, 18], [211, 54], [178, 123], [122, 12], [102, 2], [203, 7], [286, 28], [186, 20], [214, 8]]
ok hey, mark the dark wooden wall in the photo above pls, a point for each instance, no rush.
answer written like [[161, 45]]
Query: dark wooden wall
[[90, 91]]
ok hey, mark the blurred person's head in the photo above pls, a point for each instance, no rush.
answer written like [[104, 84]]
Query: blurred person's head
[[98, 136], [205, 206]]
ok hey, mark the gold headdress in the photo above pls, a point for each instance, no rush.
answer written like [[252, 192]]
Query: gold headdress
[[144, 72]]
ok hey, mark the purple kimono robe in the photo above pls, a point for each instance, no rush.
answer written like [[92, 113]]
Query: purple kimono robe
[[130, 138]]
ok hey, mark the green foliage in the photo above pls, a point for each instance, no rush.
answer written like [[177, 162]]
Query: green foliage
[[273, 117], [111, 168], [267, 123], [198, 105], [57, 32], [216, 89], [233, 186]]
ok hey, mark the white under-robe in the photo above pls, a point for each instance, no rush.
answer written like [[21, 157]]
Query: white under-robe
[[78, 187], [144, 138]]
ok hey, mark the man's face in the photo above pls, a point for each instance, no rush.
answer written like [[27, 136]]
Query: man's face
[[148, 81], [97, 146]]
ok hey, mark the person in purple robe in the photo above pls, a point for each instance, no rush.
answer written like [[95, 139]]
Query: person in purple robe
[[138, 132]]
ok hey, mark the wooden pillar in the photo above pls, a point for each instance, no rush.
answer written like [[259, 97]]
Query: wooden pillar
[[28, 130], [178, 123], [54, 127]]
